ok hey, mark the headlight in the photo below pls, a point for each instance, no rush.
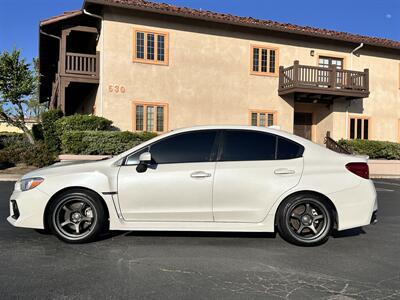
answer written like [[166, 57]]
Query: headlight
[[30, 183]]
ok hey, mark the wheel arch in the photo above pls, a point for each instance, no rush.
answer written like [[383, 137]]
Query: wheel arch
[[71, 188], [309, 192]]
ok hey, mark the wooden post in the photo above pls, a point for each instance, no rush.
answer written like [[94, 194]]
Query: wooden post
[[366, 79], [295, 72], [333, 78], [63, 50], [61, 99], [97, 64], [281, 82], [349, 81]]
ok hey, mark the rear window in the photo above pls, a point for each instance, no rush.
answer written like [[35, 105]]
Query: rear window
[[287, 149], [245, 145]]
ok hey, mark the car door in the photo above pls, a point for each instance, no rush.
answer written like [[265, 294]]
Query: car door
[[177, 186], [253, 169]]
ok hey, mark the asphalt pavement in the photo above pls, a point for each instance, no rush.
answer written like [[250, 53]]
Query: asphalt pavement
[[362, 263]]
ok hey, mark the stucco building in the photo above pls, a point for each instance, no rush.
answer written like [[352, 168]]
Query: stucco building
[[155, 67]]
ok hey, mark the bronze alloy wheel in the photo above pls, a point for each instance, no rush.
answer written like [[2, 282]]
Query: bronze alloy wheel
[[305, 220], [76, 216]]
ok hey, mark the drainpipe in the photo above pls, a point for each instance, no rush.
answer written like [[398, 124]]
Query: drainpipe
[[351, 68], [352, 53], [101, 57], [50, 35]]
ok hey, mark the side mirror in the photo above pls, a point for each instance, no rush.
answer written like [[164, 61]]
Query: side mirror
[[145, 157], [144, 160]]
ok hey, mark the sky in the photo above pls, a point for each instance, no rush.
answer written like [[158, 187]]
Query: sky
[[19, 19]]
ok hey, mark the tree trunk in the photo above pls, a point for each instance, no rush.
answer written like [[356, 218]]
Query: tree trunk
[[28, 134]]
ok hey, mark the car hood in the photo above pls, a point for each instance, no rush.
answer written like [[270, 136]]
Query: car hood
[[68, 167]]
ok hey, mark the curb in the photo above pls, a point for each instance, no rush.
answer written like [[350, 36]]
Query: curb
[[10, 177]]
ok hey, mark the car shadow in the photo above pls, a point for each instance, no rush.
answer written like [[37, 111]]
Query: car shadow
[[348, 233]]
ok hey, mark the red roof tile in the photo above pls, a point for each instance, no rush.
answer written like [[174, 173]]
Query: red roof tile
[[65, 15], [248, 21]]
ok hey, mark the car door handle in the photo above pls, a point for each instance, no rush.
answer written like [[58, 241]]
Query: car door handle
[[200, 174], [284, 171]]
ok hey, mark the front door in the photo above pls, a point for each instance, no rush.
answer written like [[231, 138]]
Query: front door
[[177, 186], [303, 125]]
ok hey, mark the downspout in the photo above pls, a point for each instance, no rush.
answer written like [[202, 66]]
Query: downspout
[[351, 68], [101, 57], [50, 35]]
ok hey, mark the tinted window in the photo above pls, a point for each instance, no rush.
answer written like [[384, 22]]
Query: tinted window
[[133, 159], [186, 147], [239, 145], [288, 149]]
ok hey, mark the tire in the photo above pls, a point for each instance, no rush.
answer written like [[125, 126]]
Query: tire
[[305, 220], [77, 216]]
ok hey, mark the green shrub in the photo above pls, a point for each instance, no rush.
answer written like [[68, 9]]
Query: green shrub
[[22, 152], [9, 138], [38, 155], [37, 132], [374, 149], [101, 142], [82, 123], [50, 135]]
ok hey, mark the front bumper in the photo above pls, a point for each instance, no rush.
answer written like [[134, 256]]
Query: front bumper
[[27, 208]]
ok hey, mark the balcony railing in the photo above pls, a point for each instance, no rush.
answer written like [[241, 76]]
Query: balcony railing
[[317, 80], [82, 64]]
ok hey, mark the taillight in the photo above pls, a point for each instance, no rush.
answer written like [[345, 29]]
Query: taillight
[[360, 169]]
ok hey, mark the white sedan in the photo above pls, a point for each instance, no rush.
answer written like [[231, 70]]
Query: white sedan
[[209, 178]]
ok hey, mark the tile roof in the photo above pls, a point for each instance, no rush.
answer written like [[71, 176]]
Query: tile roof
[[168, 9], [64, 15]]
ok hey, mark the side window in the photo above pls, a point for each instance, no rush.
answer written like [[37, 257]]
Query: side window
[[288, 149], [242, 145], [184, 148], [133, 159]]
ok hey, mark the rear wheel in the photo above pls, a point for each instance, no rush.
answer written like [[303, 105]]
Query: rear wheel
[[305, 220], [77, 216]]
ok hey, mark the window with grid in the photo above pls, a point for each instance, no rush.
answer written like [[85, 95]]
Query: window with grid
[[150, 117], [359, 128], [150, 47], [263, 118], [264, 60]]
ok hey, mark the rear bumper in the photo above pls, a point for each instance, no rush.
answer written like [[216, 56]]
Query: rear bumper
[[356, 207]]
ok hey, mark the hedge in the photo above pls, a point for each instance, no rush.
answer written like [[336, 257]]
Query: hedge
[[82, 122], [9, 138], [50, 135], [101, 142], [20, 151], [374, 149]]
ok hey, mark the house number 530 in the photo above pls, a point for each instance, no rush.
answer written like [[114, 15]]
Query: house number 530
[[115, 88]]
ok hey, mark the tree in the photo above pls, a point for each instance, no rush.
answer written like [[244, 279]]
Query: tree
[[18, 85], [34, 107]]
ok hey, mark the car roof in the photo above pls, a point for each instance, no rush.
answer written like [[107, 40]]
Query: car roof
[[274, 130]]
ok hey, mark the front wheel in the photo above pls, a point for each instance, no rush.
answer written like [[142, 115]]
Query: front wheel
[[76, 216], [305, 220]]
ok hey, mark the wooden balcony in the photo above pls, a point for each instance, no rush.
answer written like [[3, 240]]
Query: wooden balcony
[[310, 82], [79, 65]]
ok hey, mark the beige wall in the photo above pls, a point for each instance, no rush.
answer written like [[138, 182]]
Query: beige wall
[[4, 127], [208, 80]]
